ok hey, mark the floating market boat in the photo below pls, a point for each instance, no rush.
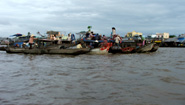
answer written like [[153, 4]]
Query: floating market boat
[[46, 46]]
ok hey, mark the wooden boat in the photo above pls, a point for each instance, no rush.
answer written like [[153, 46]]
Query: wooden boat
[[145, 48]]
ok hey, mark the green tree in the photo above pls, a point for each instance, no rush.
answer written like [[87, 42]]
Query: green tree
[[172, 36], [89, 28]]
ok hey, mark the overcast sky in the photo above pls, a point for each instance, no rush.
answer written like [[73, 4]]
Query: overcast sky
[[146, 16]]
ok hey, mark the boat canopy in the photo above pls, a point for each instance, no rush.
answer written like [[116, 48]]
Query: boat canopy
[[16, 35]]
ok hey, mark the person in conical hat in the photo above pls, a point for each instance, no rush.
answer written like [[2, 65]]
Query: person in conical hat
[[31, 41]]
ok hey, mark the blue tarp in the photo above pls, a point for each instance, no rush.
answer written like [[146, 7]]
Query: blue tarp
[[19, 43], [180, 39]]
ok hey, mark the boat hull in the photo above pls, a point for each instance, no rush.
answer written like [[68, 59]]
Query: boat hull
[[116, 49], [155, 48], [98, 51], [33, 51], [146, 48], [57, 51], [75, 51], [3, 47], [14, 50]]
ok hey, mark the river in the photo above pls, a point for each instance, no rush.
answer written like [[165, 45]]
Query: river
[[115, 79]]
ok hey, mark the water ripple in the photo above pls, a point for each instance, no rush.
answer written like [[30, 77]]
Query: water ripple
[[114, 79]]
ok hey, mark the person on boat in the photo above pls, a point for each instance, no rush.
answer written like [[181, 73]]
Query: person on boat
[[69, 37], [104, 37], [105, 42], [51, 37], [100, 37], [87, 35], [17, 46], [31, 41], [24, 45], [92, 36], [96, 36], [73, 38], [59, 40], [142, 39], [117, 40], [113, 32], [54, 37], [79, 45]]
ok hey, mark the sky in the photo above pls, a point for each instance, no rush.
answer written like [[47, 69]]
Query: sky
[[72, 16]]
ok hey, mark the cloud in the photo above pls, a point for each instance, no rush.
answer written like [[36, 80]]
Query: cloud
[[147, 16]]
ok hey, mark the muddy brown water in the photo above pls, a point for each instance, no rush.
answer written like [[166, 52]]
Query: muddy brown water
[[116, 79]]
